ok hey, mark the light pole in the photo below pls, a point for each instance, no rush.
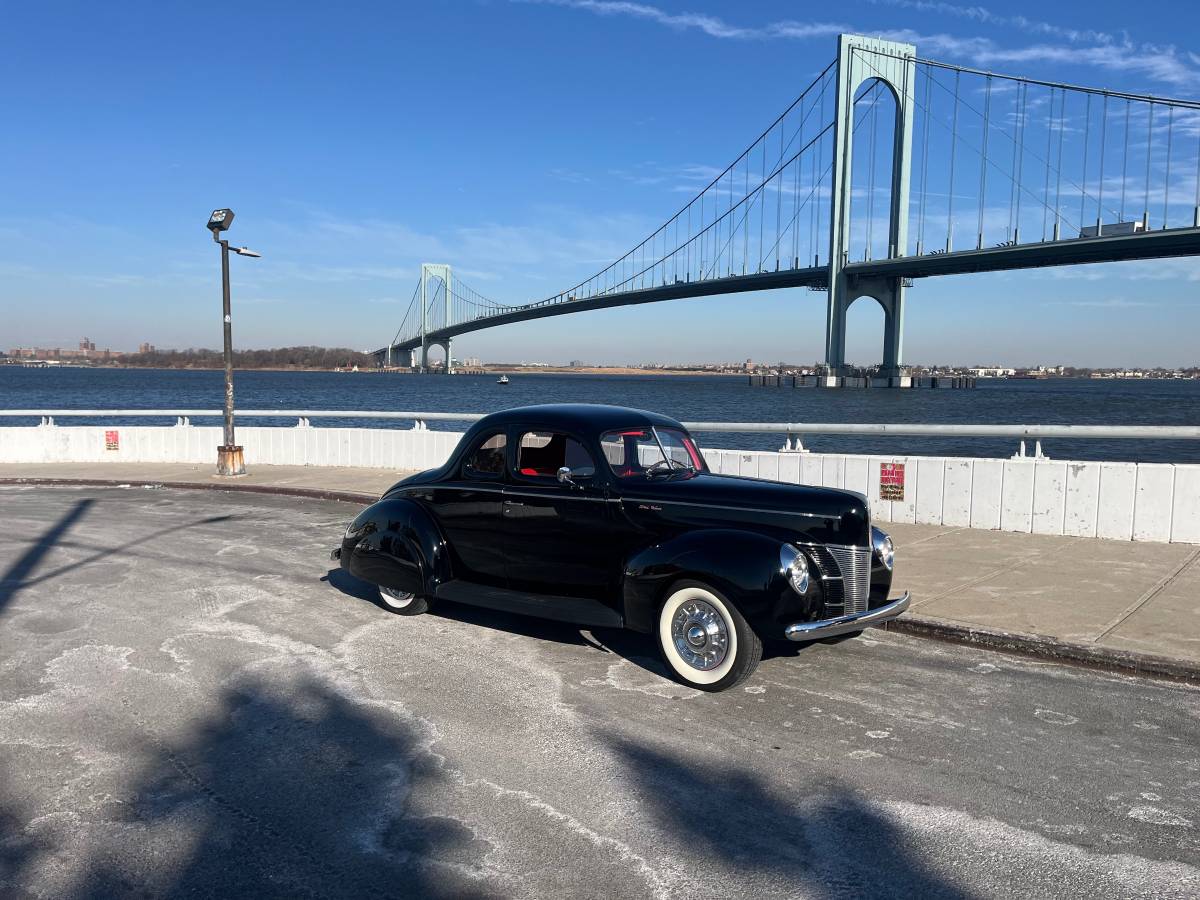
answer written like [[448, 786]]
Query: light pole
[[229, 455]]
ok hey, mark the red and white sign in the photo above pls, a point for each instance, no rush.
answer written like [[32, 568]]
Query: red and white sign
[[112, 440], [891, 481]]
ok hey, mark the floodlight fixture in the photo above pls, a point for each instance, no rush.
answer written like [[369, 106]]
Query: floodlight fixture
[[220, 220]]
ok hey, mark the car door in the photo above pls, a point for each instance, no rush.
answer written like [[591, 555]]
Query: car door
[[468, 507], [557, 535]]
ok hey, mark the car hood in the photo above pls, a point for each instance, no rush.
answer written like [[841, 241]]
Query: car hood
[[833, 514]]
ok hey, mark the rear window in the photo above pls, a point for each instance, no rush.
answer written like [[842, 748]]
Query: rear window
[[488, 458]]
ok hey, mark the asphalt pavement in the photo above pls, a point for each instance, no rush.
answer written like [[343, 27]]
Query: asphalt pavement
[[192, 703]]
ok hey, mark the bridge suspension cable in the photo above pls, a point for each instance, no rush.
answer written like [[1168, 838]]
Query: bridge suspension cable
[[1091, 187], [1038, 151]]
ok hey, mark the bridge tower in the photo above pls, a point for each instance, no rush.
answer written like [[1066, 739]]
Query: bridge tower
[[860, 60], [432, 272]]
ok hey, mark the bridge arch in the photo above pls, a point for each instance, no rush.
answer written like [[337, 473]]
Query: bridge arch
[[870, 224], [877, 321]]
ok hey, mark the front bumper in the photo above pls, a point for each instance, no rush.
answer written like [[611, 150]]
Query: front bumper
[[812, 631]]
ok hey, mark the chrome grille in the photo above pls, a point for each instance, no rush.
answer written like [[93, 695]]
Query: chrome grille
[[831, 579], [855, 565]]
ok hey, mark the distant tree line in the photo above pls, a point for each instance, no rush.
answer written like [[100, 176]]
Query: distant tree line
[[277, 358]]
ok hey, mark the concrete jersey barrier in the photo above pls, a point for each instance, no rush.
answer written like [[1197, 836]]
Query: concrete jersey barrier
[[1122, 501]]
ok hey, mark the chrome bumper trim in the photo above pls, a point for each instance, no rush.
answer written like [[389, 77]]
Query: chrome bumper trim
[[812, 631]]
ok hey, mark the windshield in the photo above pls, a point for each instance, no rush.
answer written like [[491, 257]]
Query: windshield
[[650, 452]]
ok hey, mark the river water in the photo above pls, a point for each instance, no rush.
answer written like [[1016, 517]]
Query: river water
[[694, 398]]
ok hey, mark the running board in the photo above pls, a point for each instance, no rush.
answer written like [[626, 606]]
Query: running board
[[576, 610]]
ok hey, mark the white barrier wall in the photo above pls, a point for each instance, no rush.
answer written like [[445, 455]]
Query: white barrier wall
[[1123, 501], [377, 448]]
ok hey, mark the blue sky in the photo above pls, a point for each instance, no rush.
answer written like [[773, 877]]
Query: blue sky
[[525, 143]]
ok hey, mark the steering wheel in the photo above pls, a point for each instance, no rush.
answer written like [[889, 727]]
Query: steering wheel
[[669, 464]]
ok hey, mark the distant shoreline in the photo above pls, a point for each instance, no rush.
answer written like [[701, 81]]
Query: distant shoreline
[[600, 370], [558, 370]]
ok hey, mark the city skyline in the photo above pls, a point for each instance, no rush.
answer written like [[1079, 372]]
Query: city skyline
[[348, 167]]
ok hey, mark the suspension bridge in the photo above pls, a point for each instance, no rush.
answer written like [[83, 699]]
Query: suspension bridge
[[888, 168]]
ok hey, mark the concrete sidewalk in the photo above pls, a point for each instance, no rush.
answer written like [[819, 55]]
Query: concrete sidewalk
[[1114, 604]]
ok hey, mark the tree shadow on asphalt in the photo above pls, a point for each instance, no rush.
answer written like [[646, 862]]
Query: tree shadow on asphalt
[[823, 842], [287, 789], [17, 849], [20, 574]]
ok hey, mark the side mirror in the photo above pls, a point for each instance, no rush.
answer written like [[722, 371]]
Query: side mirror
[[564, 475]]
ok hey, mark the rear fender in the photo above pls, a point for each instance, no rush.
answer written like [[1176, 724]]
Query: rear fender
[[396, 543], [742, 565]]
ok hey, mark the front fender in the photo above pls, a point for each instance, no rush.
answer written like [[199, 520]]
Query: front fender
[[743, 565], [396, 543]]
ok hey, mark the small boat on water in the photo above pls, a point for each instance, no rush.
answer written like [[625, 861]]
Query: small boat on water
[[503, 379]]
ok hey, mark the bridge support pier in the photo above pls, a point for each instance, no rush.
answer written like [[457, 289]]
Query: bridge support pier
[[448, 368], [889, 294]]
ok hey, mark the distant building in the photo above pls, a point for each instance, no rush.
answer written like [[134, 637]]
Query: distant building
[[145, 347], [992, 372]]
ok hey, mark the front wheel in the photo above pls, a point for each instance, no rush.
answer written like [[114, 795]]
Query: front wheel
[[401, 602], [705, 641]]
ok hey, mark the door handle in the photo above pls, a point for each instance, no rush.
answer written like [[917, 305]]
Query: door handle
[[513, 503]]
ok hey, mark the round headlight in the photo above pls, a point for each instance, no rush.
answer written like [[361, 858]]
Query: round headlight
[[795, 566], [883, 548]]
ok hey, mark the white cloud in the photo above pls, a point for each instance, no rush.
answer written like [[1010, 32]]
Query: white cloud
[[1083, 47], [986, 16], [1111, 303], [713, 26]]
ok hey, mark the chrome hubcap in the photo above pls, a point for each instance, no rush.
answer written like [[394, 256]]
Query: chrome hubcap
[[393, 597], [700, 635]]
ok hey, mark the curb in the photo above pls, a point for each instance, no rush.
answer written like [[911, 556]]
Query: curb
[[1088, 656], [310, 493]]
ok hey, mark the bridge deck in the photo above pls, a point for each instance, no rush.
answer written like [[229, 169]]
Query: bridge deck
[[1163, 244]]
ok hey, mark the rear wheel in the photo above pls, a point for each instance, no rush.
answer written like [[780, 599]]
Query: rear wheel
[[705, 641], [401, 602]]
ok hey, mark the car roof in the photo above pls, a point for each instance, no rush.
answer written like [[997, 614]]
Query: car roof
[[579, 417]]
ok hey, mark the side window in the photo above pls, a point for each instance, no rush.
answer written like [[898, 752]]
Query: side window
[[488, 458], [542, 453]]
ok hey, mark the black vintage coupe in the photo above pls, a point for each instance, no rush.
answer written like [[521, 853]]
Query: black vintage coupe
[[606, 516]]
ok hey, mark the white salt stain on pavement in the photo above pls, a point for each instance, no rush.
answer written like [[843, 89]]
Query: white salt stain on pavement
[[1155, 816], [625, 676], [1055, 718]]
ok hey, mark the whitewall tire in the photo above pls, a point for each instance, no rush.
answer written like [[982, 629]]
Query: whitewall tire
[[705, 641], [401, 602]]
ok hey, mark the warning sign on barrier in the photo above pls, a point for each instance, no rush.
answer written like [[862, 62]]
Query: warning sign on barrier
[[112, 440], [891, 481]]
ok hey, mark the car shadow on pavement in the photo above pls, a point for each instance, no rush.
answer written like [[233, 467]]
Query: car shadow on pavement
[[820, 840], [637, 649], [285, 786]]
